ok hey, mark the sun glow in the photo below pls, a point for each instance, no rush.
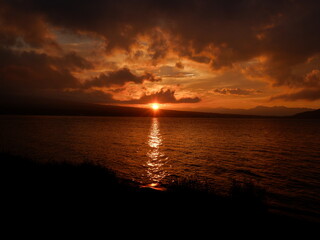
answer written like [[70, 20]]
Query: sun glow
[[155, 106]]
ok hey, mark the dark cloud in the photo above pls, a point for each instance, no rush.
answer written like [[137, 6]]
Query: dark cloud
[[235, 91], [305, 94], [159, 46], [27, 71], [215, 32], [312, 79], [98, 96], [310, 91], [80, 95], [173, 72], [40, 74], [179, 65], [119, 78], [73, 61], [163, 96], [32, 73], [21, 26], [193, 23], [233, 30]]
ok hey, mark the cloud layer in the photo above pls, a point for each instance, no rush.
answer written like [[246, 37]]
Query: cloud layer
[[119, 78], [235, 91], [272, 41], [163, 96]]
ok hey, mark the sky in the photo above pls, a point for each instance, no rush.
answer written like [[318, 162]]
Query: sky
[[184, 54]]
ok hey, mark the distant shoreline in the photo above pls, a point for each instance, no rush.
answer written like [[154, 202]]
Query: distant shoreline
[[143, 116], [56, 107], [161, 116]]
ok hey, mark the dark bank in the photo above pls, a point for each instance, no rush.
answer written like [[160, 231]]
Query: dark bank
[[61, 188]]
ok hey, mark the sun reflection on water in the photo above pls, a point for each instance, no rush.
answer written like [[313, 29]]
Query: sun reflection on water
[[156, 158]]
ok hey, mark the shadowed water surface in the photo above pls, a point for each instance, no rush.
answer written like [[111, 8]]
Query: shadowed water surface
[[282, 155]]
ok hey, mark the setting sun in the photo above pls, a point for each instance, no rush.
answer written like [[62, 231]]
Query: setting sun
[[155, 106]]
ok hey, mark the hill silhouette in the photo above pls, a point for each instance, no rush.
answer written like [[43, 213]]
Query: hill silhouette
[[46, 106], [52, 188], [20, 105], [280, 111], [308, 114]]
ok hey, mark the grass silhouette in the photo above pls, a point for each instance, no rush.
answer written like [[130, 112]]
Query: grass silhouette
[[52, 188]]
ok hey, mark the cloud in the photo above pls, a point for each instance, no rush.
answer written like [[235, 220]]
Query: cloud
[[305, 94], [33, 73], [119, 78], [158, 47], [235, 91], [163, 96], [309, 89], [99, 96], [81, 95], [27, 71], [19, 26], [173, 72], [179, 65], [312, 79], [196, 24], [222, 32], [218, 33]]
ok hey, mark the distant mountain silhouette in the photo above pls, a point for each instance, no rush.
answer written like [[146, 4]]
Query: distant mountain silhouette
[[309, 114], [262, 111], [46, 106]]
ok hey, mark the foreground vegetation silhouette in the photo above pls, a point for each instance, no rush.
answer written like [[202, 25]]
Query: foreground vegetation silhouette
[[59, 188]]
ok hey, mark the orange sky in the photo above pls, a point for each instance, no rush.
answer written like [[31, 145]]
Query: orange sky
[[185, 54]]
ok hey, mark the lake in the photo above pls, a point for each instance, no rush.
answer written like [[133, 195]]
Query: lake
[[281, 155]]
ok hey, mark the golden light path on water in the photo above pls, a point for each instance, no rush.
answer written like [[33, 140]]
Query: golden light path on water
[[156, 158]]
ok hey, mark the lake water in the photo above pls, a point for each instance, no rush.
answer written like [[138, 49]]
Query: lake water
[[281, 155]]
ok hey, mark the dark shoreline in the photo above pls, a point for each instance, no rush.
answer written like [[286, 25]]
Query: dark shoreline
[[27, 105], [62, 186]]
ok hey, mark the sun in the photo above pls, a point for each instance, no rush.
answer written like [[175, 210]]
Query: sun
[[155, 106]]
